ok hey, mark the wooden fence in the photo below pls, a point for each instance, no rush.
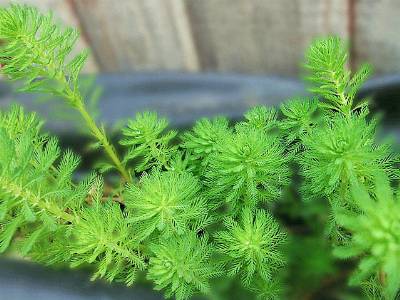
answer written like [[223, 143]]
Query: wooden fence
[[254, 36]]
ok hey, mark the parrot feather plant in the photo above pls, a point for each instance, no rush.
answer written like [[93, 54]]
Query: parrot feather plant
[[195, 211]]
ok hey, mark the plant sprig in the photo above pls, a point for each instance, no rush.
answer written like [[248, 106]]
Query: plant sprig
[[36, 50], [326, 63]]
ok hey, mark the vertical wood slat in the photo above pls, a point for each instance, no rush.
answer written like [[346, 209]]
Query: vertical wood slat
[[377, 37], [266, 36], [259, 35], [62, 12], [139, 35], [223, 35]]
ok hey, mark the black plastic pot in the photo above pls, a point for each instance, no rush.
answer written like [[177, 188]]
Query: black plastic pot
[[182, 98], [20, 280], [185, 97]]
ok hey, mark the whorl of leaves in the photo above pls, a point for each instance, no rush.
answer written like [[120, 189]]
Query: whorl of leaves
[[327, 70], [35, 181], [261, 117], [201, 141], [341, 150], [166, 202], [161, 220], [300, 117], [182, 266], [375, 236], [247, 167], [251, 246], [103, 237], [36, 50], [148, 145]]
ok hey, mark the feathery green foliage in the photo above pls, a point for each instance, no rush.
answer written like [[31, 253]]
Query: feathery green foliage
[[167, 202], [147, 143], [340, 150], [162, 214], [261, 117], [104, 237], [201, 141], [182, 266], [252, 245], [36, 50], [375, 236], [301, 116], [326, 61], [248, 166], [35, 180], [271, 290]]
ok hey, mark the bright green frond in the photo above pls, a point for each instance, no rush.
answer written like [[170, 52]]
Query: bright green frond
[[261, 117], [103, 237], [300, 117], [341, 150], [166, 202], [252, 245], [35, 181], [248, 166], [149, 144], [202, 140], [375, 237], [181, 265], [326, 65], [36, 50]]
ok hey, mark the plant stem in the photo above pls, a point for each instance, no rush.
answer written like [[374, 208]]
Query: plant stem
[[75, 98], [102, 138], [345, 103], [35, 200]]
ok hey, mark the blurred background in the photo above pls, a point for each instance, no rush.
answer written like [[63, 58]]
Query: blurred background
[[245, 36], [191, 58]]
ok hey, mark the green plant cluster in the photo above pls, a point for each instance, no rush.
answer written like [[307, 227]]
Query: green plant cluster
[[194, 208]]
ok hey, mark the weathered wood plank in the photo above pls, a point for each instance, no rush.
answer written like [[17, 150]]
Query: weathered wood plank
[[377, 38], [63, 12], [227, 35], [139, 35], [260, 35]]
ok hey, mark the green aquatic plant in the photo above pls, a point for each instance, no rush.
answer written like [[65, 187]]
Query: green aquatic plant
[[326, 63], [37, 51], [300, 117], [342, 149], [182, 265], [103, 236], [375, 236], [147, 143], [34, 188], [198, 212], [202, 140], [251, 246], [167, 202], [249, 166]]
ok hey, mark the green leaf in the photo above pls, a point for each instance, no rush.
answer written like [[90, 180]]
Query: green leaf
[[7, 233], [252, 245], [347, 251], [328, 73], [366, 268], [7, 150], [76, 64], [30, 241], [28, 213]]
